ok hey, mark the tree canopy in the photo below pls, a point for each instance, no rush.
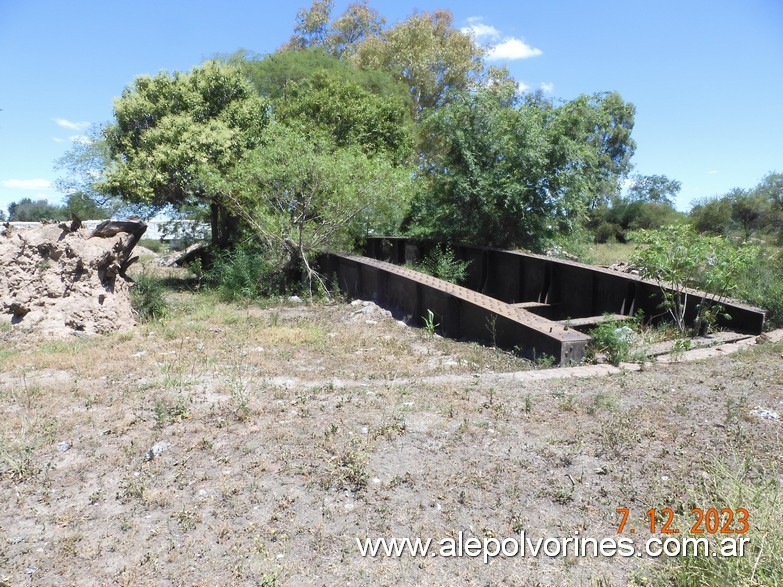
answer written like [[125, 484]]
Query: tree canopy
[[173, 130], [501, 175]]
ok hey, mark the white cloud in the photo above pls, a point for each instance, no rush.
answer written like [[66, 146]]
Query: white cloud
[[480, 31], [27, 184], [547, 88], [713, 172], [71, 125], [58, 140], [83, 139], [500, 48], [512, 49], [522, 87]]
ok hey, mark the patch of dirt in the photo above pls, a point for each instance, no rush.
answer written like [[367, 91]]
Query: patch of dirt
[[252, 446]]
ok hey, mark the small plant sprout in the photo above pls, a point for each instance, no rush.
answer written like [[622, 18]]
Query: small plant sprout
[[429, 322]]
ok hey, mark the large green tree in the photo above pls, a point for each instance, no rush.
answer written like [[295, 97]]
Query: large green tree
[[654, 188], [501, 174], [347, 113], [424, 52], [172, 131], [28, 210]]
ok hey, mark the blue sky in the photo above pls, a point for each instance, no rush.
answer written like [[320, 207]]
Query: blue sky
[[705, 76]]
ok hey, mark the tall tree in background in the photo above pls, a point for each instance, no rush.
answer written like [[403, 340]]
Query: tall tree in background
[[654, 188], [84, 165], [427, 53], [315, 27], [273, 74], [424, 51], [171, 132]]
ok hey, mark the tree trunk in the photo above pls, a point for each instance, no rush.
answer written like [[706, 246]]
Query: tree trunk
[[225, 226]]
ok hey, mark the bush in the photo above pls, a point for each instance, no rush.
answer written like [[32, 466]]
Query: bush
[[244, 273], [761, 283], [615, 338], [147, 297], [678, 258], [606, 232], [440, 262]]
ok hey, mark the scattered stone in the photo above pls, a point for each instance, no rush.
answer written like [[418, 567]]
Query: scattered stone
[[157, 449], [765, 414], [295, 300], [63, 446], [624, 267]]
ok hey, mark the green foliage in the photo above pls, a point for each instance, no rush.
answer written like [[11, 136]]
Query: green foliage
[[173, 131], [429, 322], [272, 74], [316, 27], [678, 258], [348, 114], [432, 58], [301, 195], [502, 175], [26, 210], [712, 216], [81, 204], [244, 273], [86, 207], [85, 165], [654, 188], [748, 212], [624, 215], [147, 296], [760, 282], [440, 262], [615, 338]]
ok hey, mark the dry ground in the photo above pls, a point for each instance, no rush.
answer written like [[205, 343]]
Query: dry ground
[[252, 446]]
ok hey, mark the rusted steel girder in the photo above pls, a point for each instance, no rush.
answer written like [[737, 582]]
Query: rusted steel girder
[[459, 311]]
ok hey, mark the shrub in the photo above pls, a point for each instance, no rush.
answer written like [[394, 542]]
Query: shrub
[[678, 258], [147, 297], [615, 338], [440, 262], [244, 273], [760, 283]]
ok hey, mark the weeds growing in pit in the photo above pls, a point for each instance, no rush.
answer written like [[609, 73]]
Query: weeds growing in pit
[[443, 264], [616, 338]]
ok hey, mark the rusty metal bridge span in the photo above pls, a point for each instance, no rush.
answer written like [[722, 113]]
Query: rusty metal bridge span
[[533, 303]]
